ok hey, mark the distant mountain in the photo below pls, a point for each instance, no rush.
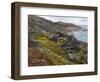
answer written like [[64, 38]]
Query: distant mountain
[[41, 25], [84, 27], [67, 26]]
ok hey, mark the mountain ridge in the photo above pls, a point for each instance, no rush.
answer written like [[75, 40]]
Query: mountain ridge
[[47, 25]]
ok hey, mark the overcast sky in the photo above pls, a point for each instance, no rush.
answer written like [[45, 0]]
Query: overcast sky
[[67, 19]]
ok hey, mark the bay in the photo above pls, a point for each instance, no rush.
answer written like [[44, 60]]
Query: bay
[[81, 35]]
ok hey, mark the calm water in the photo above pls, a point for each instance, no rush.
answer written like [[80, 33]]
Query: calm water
[[81, 35]]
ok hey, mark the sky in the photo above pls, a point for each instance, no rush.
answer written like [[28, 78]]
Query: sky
[[67, 19]]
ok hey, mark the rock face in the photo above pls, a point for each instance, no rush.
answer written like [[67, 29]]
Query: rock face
[[52, 44]]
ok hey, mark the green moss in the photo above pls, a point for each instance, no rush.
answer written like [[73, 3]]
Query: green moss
[[53, 52]]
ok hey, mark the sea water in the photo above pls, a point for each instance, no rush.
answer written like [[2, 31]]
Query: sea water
[[81, 35]]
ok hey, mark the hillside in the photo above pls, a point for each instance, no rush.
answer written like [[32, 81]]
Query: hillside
[[41, 25]]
